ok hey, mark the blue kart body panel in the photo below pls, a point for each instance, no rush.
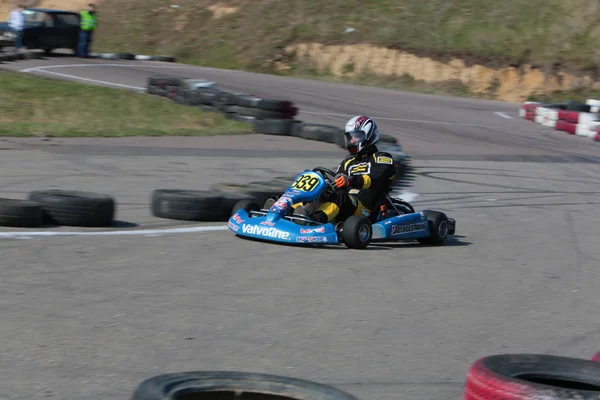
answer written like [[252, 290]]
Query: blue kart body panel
[[307, 186], [402, 227], [281, 230], [273, 225]]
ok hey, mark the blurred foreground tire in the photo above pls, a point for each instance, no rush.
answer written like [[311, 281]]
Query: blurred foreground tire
[[230, 385], [532, 377], [20, 213], [75, 208]]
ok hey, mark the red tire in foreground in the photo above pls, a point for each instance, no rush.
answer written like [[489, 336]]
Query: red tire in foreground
[[532, 377], [597, 355]]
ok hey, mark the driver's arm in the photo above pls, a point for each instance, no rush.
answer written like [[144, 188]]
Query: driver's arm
[[382, 171]]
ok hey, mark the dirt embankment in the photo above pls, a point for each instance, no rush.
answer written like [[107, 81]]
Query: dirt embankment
[[506, 84]]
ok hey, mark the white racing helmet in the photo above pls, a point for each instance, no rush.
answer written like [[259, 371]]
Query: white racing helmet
[[360, 134]]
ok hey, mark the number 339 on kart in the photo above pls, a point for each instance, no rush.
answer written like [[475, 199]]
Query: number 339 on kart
[[305, 183]]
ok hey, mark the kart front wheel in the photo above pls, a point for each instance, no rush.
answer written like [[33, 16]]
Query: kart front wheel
[[246, 205], [438, 227], [357, 232]]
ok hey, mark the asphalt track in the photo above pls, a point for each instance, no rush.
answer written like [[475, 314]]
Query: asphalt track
[[91, 316]]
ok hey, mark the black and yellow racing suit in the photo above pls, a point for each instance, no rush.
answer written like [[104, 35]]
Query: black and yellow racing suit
[[370, 175]]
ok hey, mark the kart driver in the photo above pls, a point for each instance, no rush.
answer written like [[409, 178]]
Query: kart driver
[[368, 170]]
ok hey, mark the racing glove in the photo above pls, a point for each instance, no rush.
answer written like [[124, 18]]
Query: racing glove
[[341, 181]]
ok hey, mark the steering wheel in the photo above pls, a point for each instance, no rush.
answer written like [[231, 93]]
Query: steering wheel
[[324, 171]]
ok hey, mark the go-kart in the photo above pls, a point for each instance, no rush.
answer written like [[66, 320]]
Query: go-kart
[[393, 220]]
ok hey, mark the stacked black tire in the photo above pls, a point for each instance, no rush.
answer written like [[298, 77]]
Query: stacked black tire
[[58, 207]]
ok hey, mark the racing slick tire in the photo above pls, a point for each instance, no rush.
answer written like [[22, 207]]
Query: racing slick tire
[[20, 213], [596, 357], [438, 226], [187, 205], [246, 205], [532, 376], [230, 385], [75, 208], [357, 232]]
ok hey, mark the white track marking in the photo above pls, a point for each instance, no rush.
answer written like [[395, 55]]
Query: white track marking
[[45, 67], [134, 232], [503, 115], [93, 80]]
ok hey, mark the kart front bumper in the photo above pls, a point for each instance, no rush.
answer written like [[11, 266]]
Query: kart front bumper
[[280, 230]]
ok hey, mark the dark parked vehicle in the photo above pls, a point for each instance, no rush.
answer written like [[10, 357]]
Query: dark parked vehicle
[[45, 29]]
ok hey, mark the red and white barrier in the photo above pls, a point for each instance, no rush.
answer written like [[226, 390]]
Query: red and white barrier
[[596, 136], [585, 124]]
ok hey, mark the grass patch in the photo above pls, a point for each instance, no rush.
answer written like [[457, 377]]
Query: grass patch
[[31, 106], [542, 32]]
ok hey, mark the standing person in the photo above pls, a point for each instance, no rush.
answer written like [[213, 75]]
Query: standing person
[[87, 26], [17, 23]]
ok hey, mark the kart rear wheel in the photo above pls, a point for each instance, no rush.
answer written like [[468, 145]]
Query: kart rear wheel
[[438, 226], [357, 232], [246, 205]]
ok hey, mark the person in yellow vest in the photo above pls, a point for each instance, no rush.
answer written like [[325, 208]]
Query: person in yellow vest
[[88, 24]]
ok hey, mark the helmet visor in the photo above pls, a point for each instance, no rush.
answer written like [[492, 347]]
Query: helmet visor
[[354, 140]]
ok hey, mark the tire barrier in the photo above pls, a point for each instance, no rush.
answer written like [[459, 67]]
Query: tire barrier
[[532, 376], [231, 385], [75, 208], [32, 54], [187, 205], [58, 207], [572, 117]]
